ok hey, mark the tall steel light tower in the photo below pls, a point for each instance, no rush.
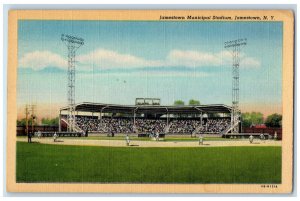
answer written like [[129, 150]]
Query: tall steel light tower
[[72, 43], [234, 47]]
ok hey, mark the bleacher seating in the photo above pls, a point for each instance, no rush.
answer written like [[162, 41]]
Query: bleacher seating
[[176, 126]]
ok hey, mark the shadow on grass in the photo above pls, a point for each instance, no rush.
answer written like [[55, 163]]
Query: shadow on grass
[[204, 144], [59, 141]]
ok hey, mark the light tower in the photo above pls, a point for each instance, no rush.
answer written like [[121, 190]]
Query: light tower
[[72, 43], [234, 46]]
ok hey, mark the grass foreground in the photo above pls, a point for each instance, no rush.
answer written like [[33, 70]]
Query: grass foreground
[[56, 163]]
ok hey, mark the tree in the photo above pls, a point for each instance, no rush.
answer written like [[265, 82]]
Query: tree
[[274, 120], [45, 121], [178, 102], [22, 122], [55, 121], [194, 102], [249, 119], [50, 122]]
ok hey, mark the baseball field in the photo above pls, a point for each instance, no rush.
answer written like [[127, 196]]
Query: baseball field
[[56, 162]]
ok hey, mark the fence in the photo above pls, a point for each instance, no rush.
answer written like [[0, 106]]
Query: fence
[[21, 130], [270, 131]]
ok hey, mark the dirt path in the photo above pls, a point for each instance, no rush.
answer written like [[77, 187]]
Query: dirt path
[[133, 143]]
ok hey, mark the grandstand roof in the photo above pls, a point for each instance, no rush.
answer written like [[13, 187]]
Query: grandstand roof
[[100, 107]]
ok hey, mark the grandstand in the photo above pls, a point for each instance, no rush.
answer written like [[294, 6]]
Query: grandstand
[[149, 119]]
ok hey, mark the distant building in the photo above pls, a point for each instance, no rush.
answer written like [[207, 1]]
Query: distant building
[[147, 101]]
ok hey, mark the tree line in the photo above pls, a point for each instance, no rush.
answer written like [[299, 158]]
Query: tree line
[[248, 118], [44, 121], [191, 102], [254, 118]]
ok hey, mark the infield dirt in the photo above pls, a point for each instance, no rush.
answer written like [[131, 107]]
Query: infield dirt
[[137, 143]]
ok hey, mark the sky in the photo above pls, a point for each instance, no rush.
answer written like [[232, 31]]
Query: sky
[[123, 60]]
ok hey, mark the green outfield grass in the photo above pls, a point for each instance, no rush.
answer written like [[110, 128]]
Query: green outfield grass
[[56, 163]]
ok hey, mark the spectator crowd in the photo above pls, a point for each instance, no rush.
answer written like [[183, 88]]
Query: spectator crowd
[[150, 125], [176, 126], [184, 126], [106, 125]]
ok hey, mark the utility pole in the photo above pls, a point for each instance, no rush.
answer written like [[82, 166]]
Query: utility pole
[[30, 114], [33, 117], [26, 118]]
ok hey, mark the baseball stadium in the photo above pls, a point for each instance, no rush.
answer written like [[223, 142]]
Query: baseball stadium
[[147, 141]]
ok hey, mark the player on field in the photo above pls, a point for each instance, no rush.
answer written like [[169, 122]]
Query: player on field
[[127, 140], [262, 137], [29, 137], [251, 138], [157, 136], [200, 139], [39, 134], [54, 137], [275, 136]]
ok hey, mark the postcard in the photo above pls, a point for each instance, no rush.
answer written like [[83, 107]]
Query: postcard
[[150, 101]]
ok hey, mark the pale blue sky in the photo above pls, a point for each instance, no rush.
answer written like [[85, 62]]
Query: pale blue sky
[[169, 60]]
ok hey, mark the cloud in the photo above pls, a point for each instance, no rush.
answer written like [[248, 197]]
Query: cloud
[[192, 59], [245, 61], [108, 59], [175, 74], [38, 60], [148, 74], [250, 62]]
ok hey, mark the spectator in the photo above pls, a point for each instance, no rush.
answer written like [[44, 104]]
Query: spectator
[[151, 126]]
